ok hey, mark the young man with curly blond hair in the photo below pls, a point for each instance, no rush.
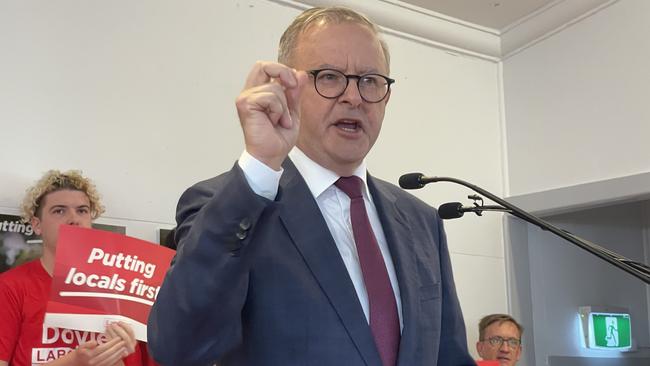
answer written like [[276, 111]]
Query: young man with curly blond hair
[[58, 198]]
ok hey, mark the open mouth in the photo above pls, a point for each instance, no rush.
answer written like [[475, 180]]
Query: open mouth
[[348, 125]]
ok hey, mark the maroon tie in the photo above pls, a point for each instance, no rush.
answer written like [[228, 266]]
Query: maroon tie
[[384, 321]]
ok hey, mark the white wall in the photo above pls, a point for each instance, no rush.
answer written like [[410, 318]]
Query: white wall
[[577, 125], [137, 94], [576, 102], [140, 96]]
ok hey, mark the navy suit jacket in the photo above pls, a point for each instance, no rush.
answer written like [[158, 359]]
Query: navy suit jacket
[[260, 282]]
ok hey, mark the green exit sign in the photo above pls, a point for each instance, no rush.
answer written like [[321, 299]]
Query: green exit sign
[[606, 327], [611, 331]]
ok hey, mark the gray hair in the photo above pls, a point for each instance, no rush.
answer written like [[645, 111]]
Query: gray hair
[[335, 15]]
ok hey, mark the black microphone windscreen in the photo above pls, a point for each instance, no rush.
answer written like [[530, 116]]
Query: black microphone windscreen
[[450, 210], [411, 181]]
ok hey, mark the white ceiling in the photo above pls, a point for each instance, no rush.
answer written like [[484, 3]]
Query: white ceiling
[[478, 28], [495, 14]]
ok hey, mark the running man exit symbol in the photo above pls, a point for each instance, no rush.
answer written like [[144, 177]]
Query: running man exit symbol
[[612, 331]]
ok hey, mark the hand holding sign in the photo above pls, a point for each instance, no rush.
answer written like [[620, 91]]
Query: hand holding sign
[[102, 278], [124, 332], [106, 354]]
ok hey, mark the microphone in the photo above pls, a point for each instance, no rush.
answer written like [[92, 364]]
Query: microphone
[[411, 181], [453, 210], [417, 180]]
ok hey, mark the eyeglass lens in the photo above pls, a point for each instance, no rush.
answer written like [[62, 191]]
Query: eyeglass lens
[[498, 341], [332, 84]]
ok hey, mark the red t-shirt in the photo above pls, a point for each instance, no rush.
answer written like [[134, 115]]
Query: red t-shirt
[[24, 340]]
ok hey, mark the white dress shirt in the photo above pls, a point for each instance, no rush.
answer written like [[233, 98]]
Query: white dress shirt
[[334, 204]]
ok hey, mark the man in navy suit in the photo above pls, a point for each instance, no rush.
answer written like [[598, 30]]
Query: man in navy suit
[[297, 256]]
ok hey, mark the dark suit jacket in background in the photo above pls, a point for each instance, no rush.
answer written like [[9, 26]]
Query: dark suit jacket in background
[[260, 282]]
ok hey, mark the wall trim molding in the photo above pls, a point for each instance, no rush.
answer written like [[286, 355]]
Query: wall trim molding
[[606, 192], [546, 22], [447, 33]]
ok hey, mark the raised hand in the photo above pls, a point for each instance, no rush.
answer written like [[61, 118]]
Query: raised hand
[[269, 111]]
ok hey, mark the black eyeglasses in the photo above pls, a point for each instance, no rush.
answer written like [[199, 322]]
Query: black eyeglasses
[[498, 341], [331, 84]]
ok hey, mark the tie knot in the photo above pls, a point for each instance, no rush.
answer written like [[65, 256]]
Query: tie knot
[[350, 185]]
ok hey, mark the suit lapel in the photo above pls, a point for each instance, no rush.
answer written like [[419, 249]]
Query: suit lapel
[[400, 243], [303, 220]]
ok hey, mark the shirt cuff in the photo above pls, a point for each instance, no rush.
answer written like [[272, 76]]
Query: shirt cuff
[[262, 179]]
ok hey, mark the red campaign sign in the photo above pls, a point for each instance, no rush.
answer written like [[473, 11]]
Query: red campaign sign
[[102, 277]]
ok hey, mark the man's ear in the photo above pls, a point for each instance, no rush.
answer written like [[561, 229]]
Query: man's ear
[[479, 348], [36, 225]]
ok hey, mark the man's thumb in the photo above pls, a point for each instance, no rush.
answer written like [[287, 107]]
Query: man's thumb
[[295, 94]]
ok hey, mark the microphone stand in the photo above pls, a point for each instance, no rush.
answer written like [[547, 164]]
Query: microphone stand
[[637, 269]]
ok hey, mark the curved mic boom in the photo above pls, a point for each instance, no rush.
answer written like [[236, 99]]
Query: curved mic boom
[[637, 269]]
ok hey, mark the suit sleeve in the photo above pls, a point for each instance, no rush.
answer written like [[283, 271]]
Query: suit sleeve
[[453, 338], [196, 318]]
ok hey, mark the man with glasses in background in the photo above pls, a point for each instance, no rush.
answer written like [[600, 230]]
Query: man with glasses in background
[[500, 339], [297, 255]]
